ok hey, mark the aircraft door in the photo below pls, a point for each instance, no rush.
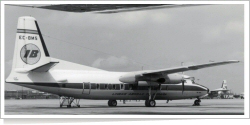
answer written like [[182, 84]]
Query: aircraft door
[[86, 88]]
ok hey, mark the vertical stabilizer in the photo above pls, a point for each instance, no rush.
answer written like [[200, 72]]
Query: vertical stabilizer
[[30, 49], [224, 85]]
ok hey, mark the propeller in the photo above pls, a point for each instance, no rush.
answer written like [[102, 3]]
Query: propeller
[[183, 87], [182, 80]]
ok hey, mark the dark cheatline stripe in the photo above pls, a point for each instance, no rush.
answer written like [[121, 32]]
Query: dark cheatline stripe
[[27, 31], [43, 43], [63, 85], [187, 88], [80, 86], [202, 85]]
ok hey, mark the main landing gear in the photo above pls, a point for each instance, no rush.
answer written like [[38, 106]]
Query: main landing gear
[[112, 103], [67, 101], [197, 102], [151, 99], [150, 103]]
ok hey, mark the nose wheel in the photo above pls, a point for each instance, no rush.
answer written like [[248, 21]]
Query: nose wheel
[[197, 102]]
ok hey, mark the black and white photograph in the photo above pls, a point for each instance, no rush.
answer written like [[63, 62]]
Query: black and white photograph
[[124, 59]]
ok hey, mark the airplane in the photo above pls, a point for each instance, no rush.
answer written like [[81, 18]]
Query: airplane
[[221, 91], [34, 68], [242, 95]]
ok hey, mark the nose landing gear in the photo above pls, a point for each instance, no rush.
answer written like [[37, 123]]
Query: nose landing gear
[[197, 102]]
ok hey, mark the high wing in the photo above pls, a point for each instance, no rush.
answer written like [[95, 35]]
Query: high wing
[[104, 8], [187, 68], [166, 75]]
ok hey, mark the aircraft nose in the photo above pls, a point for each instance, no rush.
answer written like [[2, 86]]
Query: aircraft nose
[[204, 88]]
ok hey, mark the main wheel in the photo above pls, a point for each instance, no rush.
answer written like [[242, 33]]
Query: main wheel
[[151, 103], [112, 102], [146, 103]]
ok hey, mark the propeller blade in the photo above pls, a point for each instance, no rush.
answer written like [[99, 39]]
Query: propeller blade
[[183, 88]]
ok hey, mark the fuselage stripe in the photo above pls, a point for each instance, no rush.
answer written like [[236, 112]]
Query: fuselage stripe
[[27, 31], [103, 86]]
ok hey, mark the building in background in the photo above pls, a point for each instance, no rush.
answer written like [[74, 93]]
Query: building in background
[[28, 94]]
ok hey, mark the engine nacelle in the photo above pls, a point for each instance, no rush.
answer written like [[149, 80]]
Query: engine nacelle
[[173, 79], [132, 78], [128, 78]]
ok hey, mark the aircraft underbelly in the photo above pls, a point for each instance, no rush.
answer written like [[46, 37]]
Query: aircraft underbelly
[[140, 95]]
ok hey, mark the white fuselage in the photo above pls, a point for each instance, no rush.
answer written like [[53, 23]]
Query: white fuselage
[[99, 84]]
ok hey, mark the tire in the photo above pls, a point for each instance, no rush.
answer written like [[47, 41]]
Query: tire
[[146, 103], [151, 103], [112, 103], [196, 102], [109, 103]]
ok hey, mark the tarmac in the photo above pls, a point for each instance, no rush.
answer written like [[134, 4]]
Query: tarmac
[[100, 107]]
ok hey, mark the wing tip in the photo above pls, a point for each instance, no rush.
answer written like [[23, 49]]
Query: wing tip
[[234, 61]]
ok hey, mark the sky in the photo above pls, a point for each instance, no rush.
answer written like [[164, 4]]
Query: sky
[[152, 39]]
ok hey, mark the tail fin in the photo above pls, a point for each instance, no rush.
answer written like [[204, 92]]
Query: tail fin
[[30, 49], [224, 85]]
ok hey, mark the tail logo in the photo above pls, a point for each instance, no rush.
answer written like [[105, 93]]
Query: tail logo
[[30, 54]]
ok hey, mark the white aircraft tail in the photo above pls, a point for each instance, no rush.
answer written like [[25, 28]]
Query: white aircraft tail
[[224, 85], [31, 55], [30, 49]]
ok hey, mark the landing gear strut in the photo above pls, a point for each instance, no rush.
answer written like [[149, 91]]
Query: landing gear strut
[[167, 101], [67, 101], [151, 101], [112, 103], [197, 102]]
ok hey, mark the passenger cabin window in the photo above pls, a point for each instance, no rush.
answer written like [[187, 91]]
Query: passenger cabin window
[[93, 86], [130, 87], [106, 86], [63, 85], [109, 86], [97, 86], [113, 87], [122, 86]]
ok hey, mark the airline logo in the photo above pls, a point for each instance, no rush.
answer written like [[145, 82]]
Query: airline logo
[[30, 54]]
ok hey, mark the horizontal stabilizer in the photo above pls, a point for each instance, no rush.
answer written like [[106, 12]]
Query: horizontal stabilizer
[[45, 67]]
